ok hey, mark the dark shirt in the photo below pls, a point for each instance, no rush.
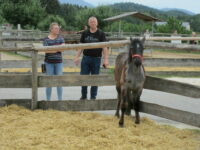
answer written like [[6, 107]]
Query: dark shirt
[[53, 57], [193, 42], [88, 37]]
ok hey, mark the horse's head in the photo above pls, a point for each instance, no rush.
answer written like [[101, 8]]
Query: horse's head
[[136, 51]]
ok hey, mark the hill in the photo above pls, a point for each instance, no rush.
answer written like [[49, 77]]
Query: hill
[[125, 7], [76, 2], [186, 12]]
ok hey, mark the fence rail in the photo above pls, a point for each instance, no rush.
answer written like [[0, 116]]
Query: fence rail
[[152, 83], [147, 44]]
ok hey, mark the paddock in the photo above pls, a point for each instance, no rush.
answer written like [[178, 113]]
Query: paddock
[[83, 130], [36, 80]]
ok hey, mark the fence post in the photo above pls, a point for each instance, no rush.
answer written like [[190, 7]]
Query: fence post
[[1, 45], [34, 80]]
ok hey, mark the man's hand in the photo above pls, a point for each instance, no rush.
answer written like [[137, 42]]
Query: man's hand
[[105, 63], [76, 60]]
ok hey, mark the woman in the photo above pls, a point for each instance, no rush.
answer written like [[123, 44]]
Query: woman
[[53, 59]]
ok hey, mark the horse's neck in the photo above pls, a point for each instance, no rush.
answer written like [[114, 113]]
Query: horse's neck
[[133, 69]]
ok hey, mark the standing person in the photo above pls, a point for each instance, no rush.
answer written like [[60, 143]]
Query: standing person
[[53, 59], [91, 60], [193, 41], [147, 34]]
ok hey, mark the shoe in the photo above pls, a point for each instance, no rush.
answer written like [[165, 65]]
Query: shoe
[[92, 98], [83, 98]]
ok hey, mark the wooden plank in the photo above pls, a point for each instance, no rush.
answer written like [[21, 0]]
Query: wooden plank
[[188, 74], [171, 113], [34, 80], [76, 80], [110, 104], [1, 45], [83, 46], [15, 81], [24, 38], [79, 105], [147, 44], [152, 83], [174, 87], [20, 102]]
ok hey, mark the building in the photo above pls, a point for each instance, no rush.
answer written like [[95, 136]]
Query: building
[[184, 24]]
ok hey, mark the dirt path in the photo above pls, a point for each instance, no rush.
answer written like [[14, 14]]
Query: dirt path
[[9, 56], [158, 54]]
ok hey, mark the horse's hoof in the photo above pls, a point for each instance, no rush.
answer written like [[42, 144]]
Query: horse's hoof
[[121, 124], [137, 121]]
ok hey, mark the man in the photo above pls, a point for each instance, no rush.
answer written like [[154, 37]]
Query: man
[[91, 60]]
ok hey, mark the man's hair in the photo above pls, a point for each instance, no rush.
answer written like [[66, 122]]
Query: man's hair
[[53, 24], [92, 17]]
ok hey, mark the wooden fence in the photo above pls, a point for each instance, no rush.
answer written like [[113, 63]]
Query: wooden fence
[[35, 81]]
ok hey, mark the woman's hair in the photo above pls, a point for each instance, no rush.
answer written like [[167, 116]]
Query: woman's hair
[[53, 24]]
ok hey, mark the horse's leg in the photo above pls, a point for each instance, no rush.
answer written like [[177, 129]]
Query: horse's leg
[[119, 100], [128, 110], [137, 109], [123, 105]]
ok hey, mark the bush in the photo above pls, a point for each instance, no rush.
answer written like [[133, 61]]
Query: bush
[[44, 24]]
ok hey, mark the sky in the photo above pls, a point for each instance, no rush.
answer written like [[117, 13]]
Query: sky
[[191, 5]]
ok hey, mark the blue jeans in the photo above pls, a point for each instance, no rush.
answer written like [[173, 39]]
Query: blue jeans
[[90, 65], [54, 69]]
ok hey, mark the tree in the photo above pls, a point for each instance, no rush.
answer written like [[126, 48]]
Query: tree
[[51, 6], [68, 13], [2, 20], [172, 25], [195, 23], [24, 12], [44, 24], [100, 13]]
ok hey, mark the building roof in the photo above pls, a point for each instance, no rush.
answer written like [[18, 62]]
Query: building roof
[[134, 14]]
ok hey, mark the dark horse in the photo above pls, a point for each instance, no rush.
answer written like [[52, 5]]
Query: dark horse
[[130, 77]]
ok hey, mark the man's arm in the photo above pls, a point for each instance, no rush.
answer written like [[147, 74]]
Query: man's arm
[[105, 57], [76, 58]]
